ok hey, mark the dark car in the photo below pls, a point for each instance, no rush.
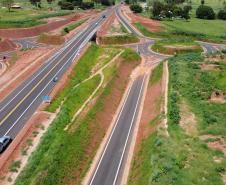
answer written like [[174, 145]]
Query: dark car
[[55, 79], [104, 16], [4, 143]]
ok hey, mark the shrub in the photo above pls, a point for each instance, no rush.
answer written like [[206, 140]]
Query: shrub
[[66, 5], [157, 8], [222, 14], [136, 8], [66, 30], [86, 5], [205, 12]]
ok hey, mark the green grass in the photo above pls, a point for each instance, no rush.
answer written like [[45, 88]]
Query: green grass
[[59, 150], [156, 74], [72, 26], [212, 30], [181, 159], [83, 70], [196, 86], [62, 156], [203, 29], [119, 39], [26, 18], [173, 46], [119, 29]]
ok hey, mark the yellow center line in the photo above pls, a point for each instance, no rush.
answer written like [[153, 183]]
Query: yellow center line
[[21, 101]]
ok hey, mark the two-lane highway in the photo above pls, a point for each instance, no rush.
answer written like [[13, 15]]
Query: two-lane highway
[[109, 168], [18, 107]]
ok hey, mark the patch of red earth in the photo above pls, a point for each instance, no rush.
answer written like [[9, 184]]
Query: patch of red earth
[[34, 31], [220, 144], [209, 67], [7, 45], [14, 150], [217, 58], [151, 110], [29, 61], [102, 121], [218, 97], [151, 25]]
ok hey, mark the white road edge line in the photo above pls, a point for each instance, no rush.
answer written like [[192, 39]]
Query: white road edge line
[[51, 58], [116, 123], [112, 132], [124, 149], [74, 55]]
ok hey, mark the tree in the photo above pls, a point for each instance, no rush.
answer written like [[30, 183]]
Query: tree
[[50, 1], [222, 14], [64, 5], [202, 2], [136, 8], [205, 12], [36, 3], [8, 4], [158, 7]]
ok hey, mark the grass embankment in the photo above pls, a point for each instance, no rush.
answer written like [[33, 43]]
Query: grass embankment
[[156, 74], [51, 39], [72, 26], [183, 158], [83, 70], [26, 17], [63, 157], [190, 29], [118, 39], [172, 46], [117, 28]]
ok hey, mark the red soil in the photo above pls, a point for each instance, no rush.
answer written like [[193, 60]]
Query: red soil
[[104, 28], [7, 45], [34, 31], [102, 120], [151, 25]]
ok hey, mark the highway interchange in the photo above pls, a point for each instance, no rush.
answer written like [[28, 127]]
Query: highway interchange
[[19, 106]]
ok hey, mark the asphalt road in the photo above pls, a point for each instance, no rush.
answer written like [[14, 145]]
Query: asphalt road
[[110, 164], [112, 161], [211, 47], [18, 106]]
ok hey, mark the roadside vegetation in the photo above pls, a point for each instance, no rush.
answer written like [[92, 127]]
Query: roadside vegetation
[[156, 74], [184, 157], [203, 20], [64, 155], [83, 70], [119, 39], [51, 39], [27, 18], [72, 26], [175, 46]]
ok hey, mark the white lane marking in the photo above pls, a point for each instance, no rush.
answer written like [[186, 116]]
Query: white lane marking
[[75, 53], [51, 58], [112, 132], [116, 123], [127, 138]]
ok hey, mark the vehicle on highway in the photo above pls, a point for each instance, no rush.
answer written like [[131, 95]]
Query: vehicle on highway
[[4, 143], [55, 79], [104, 16]]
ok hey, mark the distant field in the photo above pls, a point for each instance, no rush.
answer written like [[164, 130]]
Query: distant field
[[209, 28], [27, 17]]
